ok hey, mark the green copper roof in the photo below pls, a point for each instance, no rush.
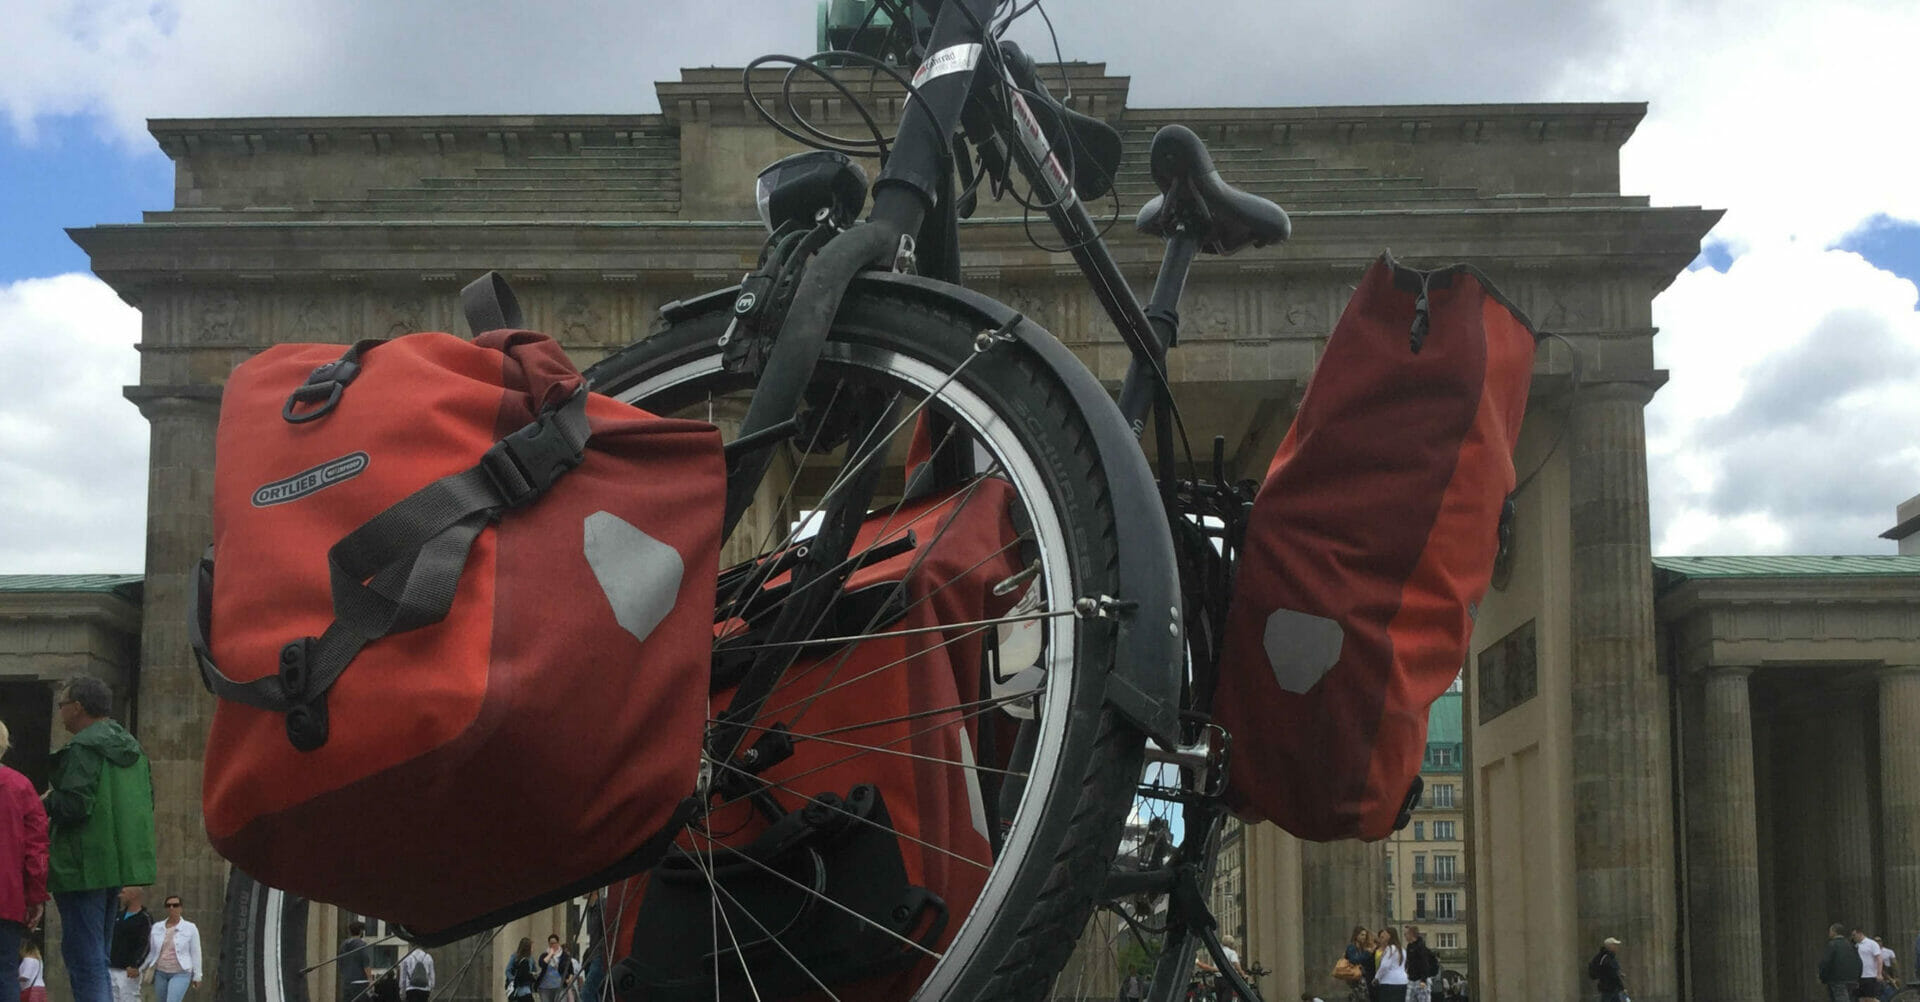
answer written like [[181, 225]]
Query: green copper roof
[[1683, 568], [123, 584], [1443, 720]]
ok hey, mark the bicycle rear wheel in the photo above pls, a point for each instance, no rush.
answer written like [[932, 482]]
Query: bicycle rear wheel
[[1029, 748]]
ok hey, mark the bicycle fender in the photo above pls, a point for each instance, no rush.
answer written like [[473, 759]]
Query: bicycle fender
[[1150, 654]]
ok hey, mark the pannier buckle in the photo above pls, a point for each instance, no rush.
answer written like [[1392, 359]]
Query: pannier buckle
[[307, 717], [524, 464], [323, 384]]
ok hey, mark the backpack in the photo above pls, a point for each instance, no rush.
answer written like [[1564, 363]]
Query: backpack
[[419, 979], [428, 549], [1368, 549], [1593, 966]]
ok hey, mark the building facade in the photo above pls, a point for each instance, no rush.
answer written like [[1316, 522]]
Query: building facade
[[1426, 862]]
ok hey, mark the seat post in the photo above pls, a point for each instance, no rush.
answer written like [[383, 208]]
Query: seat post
[[1163, 314]]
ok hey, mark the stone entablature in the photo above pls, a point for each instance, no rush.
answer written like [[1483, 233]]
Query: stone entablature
[[1788, 621]]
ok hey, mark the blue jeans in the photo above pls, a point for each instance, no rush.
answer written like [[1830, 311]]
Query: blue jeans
[[10, 933], [170, 987], [596, 979], [86, 923]]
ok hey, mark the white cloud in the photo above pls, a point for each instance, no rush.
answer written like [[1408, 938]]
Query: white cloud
[[73, 452], [1788, 423]]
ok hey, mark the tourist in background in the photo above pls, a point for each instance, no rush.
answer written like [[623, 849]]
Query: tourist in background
[[100, 809], [1391, 975], [556, 969], [173, 954], [356, 964], [522, 974], [32, 983], [1889, 977], [1422, 967], [1869, 950], [1359, 953], [23, 865], [1604, 969], [127, 949], [593, 925], [416, 974], [1839, 965]]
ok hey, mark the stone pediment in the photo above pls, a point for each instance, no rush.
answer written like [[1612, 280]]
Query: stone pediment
[[1753, 612]]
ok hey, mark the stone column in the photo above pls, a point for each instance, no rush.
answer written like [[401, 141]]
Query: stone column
[[1900, 806], [1848, 825], [1623, 830], [1340, 888], [174, 709], [1726, 874]]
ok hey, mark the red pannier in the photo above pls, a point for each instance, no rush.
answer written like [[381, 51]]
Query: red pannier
[[1368, 550], [914, 693], [456, 593]]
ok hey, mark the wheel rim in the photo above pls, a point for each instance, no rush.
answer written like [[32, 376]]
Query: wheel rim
[[1002, 442]]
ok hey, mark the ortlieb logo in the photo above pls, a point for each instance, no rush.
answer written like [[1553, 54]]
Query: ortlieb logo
[[307, 482]]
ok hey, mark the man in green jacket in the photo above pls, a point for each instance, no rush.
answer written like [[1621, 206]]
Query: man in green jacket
[[100, 808]]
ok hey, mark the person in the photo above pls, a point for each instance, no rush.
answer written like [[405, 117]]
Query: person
[[593, 925], [1889, 974], [173, 954], [23, 864], [1869, 951], [1134, 988], [356, 964], [1422, 967], [1391, 975], [556, 969], [1310, 997], [1839, 965], [1203, 962], [1605, 969], [32, 983], [127, 949], [1359, 953], [100, 807], [416, 974], [522, 974]]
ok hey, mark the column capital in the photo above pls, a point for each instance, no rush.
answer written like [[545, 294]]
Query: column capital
[[169, 401], [1636, 388], [1728, 672], [1898, 671]]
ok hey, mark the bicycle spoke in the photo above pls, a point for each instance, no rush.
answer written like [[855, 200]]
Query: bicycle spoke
[[804, 889], [979, 629], [768, 933], [923, 714], [836, 808], [720, 918], [330, 961]]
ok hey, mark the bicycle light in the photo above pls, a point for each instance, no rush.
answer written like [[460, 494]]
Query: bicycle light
[[796, 188]]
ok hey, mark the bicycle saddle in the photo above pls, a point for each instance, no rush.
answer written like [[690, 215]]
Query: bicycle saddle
[[1223, 217]]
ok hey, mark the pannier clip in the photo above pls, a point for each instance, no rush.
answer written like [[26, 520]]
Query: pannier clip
[[307, 718], [524, 464], [325, 385]]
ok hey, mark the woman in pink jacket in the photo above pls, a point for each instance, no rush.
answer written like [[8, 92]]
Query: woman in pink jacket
[[23, 867]]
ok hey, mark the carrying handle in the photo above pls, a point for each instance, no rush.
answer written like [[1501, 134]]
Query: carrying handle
[[490, 305]]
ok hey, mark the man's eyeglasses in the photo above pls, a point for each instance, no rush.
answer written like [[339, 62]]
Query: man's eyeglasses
[[173, 904]]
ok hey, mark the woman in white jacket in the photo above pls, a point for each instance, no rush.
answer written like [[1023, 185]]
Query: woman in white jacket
[[173, 954]]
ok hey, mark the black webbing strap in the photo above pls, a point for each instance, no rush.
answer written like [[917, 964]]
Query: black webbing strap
[[398, 571], [317, 397], [490, 305]]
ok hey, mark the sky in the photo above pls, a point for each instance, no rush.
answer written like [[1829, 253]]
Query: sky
[[1788, 425]]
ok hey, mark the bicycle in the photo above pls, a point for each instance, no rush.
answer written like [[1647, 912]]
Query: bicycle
[[850, 346]]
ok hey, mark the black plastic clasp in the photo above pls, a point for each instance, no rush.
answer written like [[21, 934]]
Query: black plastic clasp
[[524, 464], [307, 723], [324, 384]]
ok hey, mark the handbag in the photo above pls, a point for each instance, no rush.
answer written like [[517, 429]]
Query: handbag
[[1347, 970]]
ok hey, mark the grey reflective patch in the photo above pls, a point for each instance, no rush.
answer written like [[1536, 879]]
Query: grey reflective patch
[[1301, 648], [639, 574]]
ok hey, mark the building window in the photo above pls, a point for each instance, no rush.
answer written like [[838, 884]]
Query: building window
[[1446, 941], [1442, 755], [1443, 831], [1419, 831], [1509, 673], [1443, 868], [1443, 905], [1420, 867], [1389, 869], [1420, 905], [1443, 795]]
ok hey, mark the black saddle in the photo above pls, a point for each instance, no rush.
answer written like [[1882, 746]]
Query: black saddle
[[1192, 193]]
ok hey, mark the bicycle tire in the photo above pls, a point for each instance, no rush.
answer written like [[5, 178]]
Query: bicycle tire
[[1041, 890]]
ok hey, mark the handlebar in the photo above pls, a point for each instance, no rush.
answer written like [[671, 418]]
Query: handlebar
[[907, 189]]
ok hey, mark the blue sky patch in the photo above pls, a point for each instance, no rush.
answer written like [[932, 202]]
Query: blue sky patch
[[1713, 254], [70, 175], [1888, 244]]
